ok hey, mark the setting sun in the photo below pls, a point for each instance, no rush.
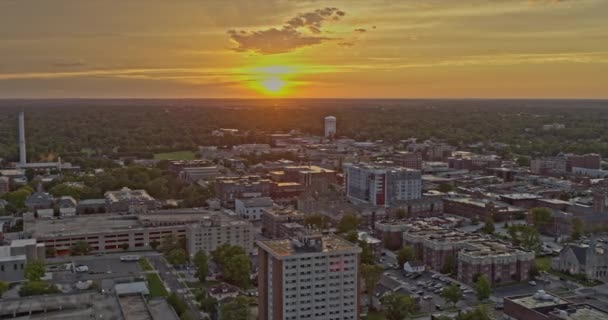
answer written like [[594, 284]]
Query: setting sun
[[273, 85]]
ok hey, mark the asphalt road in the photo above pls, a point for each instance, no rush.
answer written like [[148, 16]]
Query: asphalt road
[[169, 276]]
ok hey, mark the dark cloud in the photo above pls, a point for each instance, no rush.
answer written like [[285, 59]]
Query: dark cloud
[[300, 31], [361, 30]]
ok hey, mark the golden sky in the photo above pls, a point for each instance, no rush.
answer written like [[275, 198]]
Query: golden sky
[[304, 48]]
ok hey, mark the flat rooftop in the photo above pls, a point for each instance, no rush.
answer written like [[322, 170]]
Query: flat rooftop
[[101, 223], [288, 247], [583, 313], [538, 300]]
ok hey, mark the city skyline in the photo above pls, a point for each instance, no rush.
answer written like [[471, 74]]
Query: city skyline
[[304, 49]]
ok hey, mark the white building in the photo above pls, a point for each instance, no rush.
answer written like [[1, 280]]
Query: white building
[[216, 230], [252, 208], [314, 277], [330, 126], [14, 257], [381, 186]]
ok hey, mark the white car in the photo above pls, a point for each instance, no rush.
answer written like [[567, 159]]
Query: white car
[[532, 283]]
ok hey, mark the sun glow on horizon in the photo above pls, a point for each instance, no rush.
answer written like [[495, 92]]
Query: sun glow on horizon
[[273, 80]]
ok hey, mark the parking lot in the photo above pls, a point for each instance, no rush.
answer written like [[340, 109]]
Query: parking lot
[[96, 269], [427, 286]]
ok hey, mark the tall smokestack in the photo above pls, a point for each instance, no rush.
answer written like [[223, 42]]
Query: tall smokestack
[[22, 152]]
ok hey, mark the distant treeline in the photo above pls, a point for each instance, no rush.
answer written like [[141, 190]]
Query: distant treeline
[[141, 128]]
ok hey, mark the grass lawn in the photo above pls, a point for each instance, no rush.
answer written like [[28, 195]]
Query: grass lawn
[[177, 155], [156, 286], [543, 263], [374, 316], [145, 265]]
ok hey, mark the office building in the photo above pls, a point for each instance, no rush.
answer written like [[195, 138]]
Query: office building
[[216, 230], [312, 277], [381, 186]]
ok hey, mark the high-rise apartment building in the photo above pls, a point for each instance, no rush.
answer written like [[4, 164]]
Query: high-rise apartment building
[[313, 277], [330, 126], [381, 186]]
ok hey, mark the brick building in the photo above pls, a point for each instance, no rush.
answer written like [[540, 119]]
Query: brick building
[[412, 160], [474, 254], [227, 189], [312, 277], [274, 218], [546, 306], [502, 263]]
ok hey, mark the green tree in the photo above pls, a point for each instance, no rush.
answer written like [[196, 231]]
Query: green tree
[[482, 287], [222, 253], [318, 221], [445, 188], [405, 254], [33, 288], [479, 313], [177, 257], [80, 248], [577, 229], [371, 274], [208, 304], [452, 294], [17, 198], [3, 288], [177, 303], [401, 213], [187, 315], [449, 265], [488, 226], [349, 222], [540, 216], [63, 190], [34, 270], [367, 253], [233, 263], [398, 306], [525, 236], [352, 236], [236, 309], [201, 261], [523, 161], [237, 270]]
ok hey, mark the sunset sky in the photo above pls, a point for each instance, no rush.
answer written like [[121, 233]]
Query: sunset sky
[[304, 49]]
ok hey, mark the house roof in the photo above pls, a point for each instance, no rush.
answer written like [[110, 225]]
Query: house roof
[[415, 264]]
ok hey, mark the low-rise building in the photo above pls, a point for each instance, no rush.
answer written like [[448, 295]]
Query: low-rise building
[[228, 189], [590, 260], [500, 262], [472, 253], [14, 257], [89, 206], [274, 218], [546, 306], [4, 185], [252, 208], [127, 200]]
